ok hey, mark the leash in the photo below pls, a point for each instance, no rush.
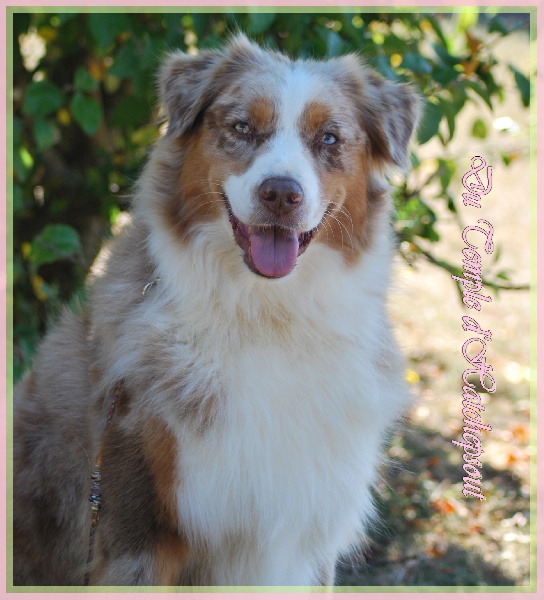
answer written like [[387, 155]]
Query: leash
[[95, 497]]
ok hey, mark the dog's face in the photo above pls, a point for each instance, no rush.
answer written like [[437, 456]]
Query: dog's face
[[290, 152]]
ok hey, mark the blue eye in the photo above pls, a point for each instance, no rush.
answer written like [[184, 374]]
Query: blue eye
[[328, 138], [242, 128]]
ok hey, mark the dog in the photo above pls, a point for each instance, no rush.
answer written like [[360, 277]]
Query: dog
[[233, 372]]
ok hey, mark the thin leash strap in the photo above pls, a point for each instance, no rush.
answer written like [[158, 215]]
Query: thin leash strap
[[95, 497]]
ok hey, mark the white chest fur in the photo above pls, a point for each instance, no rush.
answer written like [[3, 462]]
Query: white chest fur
[[304, 380], [285, 471]]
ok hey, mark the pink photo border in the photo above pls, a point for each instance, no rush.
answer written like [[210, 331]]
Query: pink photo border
[[538, 289]]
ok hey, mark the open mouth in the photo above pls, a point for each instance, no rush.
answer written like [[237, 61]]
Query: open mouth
[[269, 250]]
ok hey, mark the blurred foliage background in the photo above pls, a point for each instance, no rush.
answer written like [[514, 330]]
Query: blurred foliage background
[[84, 117]]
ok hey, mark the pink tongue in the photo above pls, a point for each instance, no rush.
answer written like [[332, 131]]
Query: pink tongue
[[274, 250]]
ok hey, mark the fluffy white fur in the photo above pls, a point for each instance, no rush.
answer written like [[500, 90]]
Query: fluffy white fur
[[286, 477]]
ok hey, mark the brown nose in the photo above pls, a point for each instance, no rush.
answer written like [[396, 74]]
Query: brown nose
[[280, 195]]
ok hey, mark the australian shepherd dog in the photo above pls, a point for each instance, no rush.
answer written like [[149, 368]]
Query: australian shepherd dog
[[230, 381]]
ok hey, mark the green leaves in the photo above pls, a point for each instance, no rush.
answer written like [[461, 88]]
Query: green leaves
[[430, 121], [334, 43], [479, 129], [126, 62], [42, 98], [45, 134], [86, 112], [106, 27], [259, 22], [524, 85], [383, 64], [446, 170], [55, 242], [481, 90], [496, 24], [416, 63], [415, 218], [84, 81], [131, 111]]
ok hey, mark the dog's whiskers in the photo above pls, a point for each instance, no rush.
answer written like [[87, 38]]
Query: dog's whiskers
[[342, 211]]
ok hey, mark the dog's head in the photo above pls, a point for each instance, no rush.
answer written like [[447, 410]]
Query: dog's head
[[290, 152]]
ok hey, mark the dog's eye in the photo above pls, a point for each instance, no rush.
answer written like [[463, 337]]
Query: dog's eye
[[242, 128], [328, 139]]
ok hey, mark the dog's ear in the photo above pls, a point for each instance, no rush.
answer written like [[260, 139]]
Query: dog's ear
[[186, 87], [389, 112], [393, 119], [188, 84]]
